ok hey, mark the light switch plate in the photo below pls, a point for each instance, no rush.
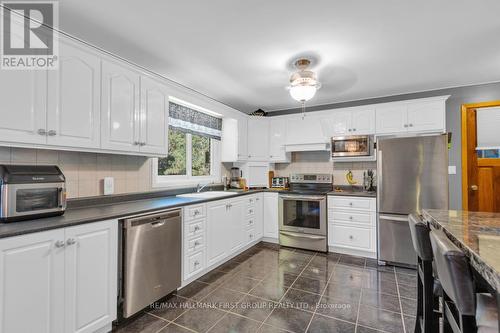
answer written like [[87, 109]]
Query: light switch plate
[[109, 185], [452, 169]]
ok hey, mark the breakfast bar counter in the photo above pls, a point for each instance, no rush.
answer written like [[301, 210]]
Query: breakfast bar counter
[[475, 233]]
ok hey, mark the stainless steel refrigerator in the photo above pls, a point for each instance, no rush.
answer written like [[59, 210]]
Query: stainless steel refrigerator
[[412, 174]]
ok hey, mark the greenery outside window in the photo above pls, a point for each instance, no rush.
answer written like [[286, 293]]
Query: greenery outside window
[[192, 157]]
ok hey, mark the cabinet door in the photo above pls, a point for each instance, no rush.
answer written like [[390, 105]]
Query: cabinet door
[[229, 140], [391, 119], [120, 108], [154, 117], [218, 223], [271, 215], [32, 283], [363, 122], [23, 95], [277, 133], [259, 215], [340, 123], [91, 276], [74, 98], [427, 116], [242, 139], [258, 139], [237, 236]]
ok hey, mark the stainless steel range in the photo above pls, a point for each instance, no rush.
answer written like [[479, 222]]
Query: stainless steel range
[[302, 212]]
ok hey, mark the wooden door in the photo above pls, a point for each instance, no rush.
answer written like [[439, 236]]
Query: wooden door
[[480, 176], [91, 276], [73, 118], [32, 283]]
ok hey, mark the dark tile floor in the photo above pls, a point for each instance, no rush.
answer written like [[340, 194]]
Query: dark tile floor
[[272, 289]]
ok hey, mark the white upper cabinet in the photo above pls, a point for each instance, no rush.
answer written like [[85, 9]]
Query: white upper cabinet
[[426, 116], [362, 122], [229, 140], [391, 118], [153, 119], [120, 107], [258, 139], [339, 123], [243, 139], [412, 116], [277, 137], [73, 117], [23, 96], [350, 122], [305, 130]]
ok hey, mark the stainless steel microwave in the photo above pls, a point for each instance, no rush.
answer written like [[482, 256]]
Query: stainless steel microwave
[[352, 146], [31, 191]]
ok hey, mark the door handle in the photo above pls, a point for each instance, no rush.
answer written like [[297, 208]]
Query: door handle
[[393, 218], [474, 187], [292, 234]]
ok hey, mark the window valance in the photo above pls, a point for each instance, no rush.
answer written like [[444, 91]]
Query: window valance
[[192, 121]]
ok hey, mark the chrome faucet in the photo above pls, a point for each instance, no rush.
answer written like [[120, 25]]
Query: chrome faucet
[[200, 187]]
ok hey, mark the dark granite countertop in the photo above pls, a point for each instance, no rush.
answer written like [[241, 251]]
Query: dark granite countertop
[[93, 213], [475, 233]]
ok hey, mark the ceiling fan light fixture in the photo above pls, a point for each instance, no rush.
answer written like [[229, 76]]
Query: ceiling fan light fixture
[[303, 83]]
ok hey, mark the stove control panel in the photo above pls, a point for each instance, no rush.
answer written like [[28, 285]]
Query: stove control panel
[[319, 178]]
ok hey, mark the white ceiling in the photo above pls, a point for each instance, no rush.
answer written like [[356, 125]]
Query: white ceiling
[[240, 52]]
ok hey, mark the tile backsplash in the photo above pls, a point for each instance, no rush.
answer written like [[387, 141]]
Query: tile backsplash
[[85, 171], [319, 162]]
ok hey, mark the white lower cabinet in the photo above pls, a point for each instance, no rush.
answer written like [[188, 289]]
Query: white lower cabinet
[[271, 215], [218, 230], [352, 225], [64, 280]]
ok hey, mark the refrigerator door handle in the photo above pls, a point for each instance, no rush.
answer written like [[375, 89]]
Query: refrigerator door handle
[[393, 218], [379, 176]]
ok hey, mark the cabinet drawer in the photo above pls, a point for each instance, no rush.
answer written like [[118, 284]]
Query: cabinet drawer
[[352, 237], [195, 244], [194, 212], [250, 210], [356, 203], [195, 263], [250, 222], [194, 228], [350, 216], [250, 235], [250, 200]]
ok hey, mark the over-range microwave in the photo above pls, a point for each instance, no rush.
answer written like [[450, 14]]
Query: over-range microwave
[[352, 146]]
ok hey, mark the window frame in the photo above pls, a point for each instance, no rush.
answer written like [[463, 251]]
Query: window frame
[[185, 180]]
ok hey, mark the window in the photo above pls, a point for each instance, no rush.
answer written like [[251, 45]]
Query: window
[[193, 149]]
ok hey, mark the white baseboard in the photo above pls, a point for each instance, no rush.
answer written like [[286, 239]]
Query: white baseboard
[[352, 252], [271, 240]]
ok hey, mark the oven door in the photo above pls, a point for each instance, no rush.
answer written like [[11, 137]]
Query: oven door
[[303, 214], [32, 199], [351, 146]]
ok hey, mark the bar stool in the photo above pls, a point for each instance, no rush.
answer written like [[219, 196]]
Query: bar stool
[[428, 287], [463, 310]]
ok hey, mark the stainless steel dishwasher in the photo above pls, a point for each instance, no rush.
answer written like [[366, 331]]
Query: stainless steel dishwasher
[[151, 258]]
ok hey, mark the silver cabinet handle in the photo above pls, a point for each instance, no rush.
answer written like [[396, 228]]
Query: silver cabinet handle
[[250, 236], [196, 228], [351, 237], [350, 130], [250, 211], [60, 244], [142, 143], [196, 263], [71, 241], [196, 243], [136, 143], [350, 217], [51, 133], [405, 125], [411, 125], [196, 212], [41, 131], [354, 130], [350, 203], [256, 199]]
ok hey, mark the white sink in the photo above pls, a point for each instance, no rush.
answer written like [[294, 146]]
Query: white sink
[[206, 195]]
